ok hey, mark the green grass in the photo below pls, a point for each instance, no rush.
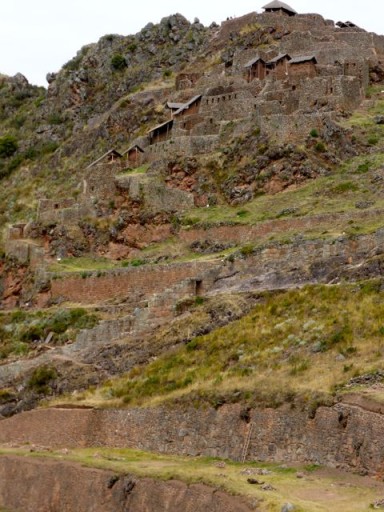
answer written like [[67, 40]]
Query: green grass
[[83, 263], [20, 330], [137, 170], [309, 494], [336, 192], [285, 348]]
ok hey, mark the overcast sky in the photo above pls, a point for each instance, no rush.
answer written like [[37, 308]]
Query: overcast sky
[[39, 36]]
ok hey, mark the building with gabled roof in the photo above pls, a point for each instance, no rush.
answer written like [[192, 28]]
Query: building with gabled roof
[[280, 8], [190, 107], [278, 66], [134, 155], [303, 66], [161, 132], [255, 69], [174, 106], [110, 156]]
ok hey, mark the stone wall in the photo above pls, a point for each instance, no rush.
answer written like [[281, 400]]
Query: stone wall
[[67, 216], [99, 178], [243, 234], [185, 146], [228, 106], [344, 435], [277, 266], [135, 284], [30, 485], [153, 193], [26, 252]]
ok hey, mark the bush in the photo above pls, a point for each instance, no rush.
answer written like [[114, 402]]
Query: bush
[[373, 140], [118, 62], [247, 250], [363, 168], [41, 378], [346, 186], [320, 147], [8, 146], [55, 118], [314, 133]]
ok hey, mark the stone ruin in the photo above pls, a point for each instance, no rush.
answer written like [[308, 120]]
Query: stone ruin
[[312, 71]]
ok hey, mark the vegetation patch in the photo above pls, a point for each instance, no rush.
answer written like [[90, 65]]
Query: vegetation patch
[[291, 343], [22, 331], [41, 379]]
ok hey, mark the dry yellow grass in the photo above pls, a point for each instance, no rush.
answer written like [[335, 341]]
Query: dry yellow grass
[[298, 344]]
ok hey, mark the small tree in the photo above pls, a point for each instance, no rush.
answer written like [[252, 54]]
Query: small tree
[[8, 146]]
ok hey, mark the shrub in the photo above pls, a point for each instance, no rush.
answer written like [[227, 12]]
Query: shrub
[[18, 121], [320, 147], [118, 62], [8, 146], [137, 262], [41, 378], [373, 140], [363, 168], [346, 186], [32, 333], [73, 64], [247, 250], [314, 133], [48, 147], [55, 118], [242, 213]]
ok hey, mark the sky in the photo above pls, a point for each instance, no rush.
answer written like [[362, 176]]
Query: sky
[[39, 36]]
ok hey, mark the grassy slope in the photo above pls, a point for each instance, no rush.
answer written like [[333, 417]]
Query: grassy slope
[[298, 344], [316, 491]]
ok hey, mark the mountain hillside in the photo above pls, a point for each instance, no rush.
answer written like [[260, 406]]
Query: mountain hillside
[[192, 230]]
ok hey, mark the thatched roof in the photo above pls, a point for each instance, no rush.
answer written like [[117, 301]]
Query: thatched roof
[[276, 5], [174, 106], [111, 153], [303, 58], [281, 56], [131, 148], [254, 61]]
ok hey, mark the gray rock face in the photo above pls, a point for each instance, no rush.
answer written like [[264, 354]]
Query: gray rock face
[[51, 77], [288, 507]]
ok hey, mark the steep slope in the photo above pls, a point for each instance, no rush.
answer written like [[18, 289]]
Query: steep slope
[[193, 215]]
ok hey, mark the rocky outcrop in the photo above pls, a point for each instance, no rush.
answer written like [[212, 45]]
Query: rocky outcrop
[[55, 486]]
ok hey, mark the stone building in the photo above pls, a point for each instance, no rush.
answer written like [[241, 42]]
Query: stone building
[[110, 156], [161, 132], [134, 155], [278, 67], [255, 69], [191, 107], [303, 66]]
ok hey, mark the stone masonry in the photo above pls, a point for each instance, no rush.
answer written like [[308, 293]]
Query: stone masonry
[[344, 435]]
